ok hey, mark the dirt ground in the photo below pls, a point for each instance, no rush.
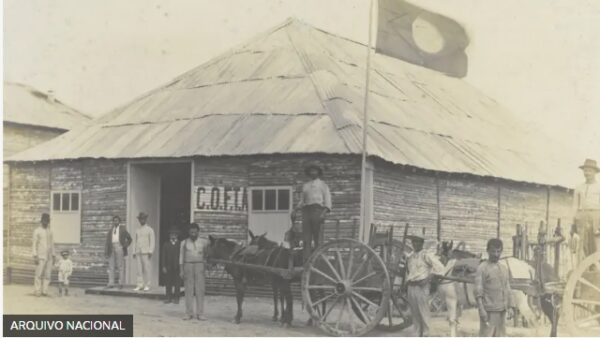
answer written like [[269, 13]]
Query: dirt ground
[[153, 318]]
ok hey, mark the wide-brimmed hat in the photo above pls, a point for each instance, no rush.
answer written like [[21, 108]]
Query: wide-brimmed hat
[[174, 230], [65, 252], [312, 166], [142, 215], [589, 163]]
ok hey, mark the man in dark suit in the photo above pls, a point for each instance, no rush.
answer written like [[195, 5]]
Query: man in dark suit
[[169, 260], [117, 241]]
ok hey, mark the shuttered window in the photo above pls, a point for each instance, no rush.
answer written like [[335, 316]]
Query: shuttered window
[[65, 216]]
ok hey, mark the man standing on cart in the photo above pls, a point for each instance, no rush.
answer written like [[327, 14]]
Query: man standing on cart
[[315, 203], [586, 207]]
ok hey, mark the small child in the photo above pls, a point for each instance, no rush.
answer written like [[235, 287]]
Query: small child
[[65, 269]]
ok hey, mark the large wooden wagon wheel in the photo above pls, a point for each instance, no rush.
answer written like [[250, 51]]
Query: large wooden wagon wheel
[[581, 298], [398, 316], [346, 288]]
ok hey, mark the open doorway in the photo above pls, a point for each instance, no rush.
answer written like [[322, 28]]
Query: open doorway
[[163, 191]]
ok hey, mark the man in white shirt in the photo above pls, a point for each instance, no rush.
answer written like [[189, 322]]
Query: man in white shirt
[[143, 250], [43, 255], [315, 204], [586, 208]]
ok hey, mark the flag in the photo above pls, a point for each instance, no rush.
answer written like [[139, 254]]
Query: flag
[[421, 37]]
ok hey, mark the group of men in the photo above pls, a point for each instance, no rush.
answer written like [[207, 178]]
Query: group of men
[[180, 260], [186, 259]]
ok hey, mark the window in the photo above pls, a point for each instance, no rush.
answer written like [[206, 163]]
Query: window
[[271, 199], [65, 218], [65, 201]]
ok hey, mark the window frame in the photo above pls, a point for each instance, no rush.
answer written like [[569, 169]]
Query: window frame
[[62, 193], [277, 189]]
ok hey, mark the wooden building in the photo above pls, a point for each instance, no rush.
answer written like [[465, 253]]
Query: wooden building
[[225, 144], [30, 118]]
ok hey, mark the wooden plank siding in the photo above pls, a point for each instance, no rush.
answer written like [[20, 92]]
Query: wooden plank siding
[[470, 208], [469, 211], [103, 186], [401, 195], [341, 173], [466, 207]]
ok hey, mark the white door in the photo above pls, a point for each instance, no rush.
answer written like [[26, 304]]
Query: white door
[[269, 212], [144, 195]]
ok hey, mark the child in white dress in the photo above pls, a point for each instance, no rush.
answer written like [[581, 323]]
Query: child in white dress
[[65, 269]]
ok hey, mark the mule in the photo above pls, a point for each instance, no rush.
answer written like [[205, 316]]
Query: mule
[[226, 249], [458, 295]]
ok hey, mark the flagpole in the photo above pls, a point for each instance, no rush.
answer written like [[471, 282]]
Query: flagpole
[[363, 195]]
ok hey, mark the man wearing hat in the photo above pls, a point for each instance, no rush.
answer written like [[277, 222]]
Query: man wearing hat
[[169, 260], [315, 203], [43, 255], [586, 207], [115, 250], [420, 265], [143, 248]]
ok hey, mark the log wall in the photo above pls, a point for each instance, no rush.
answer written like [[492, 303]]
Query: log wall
[[468, 208]]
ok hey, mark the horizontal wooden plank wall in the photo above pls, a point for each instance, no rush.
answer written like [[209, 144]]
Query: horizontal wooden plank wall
[[401, 195], [30, 196], [469, 211], [221, 171], [103, 185], [520, 204], [341, 173]]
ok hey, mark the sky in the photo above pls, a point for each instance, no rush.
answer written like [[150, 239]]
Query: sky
[[538, 58]]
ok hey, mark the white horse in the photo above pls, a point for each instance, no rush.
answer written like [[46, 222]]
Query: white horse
[[459, 295]]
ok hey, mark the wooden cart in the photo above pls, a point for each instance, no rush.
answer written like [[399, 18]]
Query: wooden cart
[[350, 287]]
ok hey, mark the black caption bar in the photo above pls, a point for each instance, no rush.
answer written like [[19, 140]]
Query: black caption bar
[[68, 326]]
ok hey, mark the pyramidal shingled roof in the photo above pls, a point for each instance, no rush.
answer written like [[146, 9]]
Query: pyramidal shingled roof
[[24, 104], [297, 89]]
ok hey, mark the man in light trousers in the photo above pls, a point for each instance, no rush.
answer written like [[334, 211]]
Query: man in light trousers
[[143, 250], [117, 241], [192, 258], [421, 267], [43, 256]]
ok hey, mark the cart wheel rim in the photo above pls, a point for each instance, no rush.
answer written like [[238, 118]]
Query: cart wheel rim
[[581, 299], [353, 283]]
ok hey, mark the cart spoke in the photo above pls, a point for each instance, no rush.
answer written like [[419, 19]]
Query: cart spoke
[[331, 267], [588, 283], [359, 296], [360, 267], [587, 319], [341, 263], [324, 318], [350, 317], [323, 274], [585, 301], [365, 277], [367, 288], [323, 299], [321, 287], [350, 260], [360, 309]]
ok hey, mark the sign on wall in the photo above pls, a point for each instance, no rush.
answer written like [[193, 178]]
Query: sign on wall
[[227, 198]]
